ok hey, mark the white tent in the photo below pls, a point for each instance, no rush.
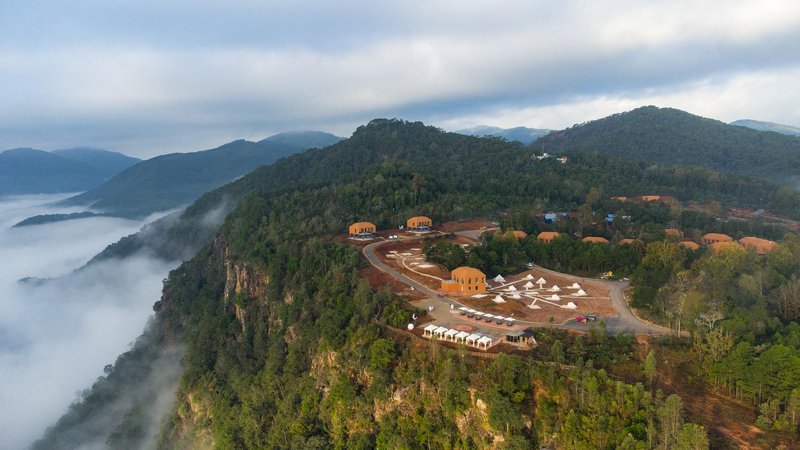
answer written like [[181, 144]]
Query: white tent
[[580, 293], [516, 296], [472, 339], [499, 279], [428, 331], [512, 288], [529, 277], [541, 281], [450, 334], [461, 336], [485, 341], [555, 288], [498, 299], [575, 286], [528, 285], [569, 305], [439, 332], [554, 297]]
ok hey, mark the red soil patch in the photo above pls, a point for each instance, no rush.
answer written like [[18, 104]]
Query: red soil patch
[[466, 225]]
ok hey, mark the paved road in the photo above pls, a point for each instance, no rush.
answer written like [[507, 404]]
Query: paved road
[[624, 322]]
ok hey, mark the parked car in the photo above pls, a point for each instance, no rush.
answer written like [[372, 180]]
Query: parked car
[[591, 317], [580, 319]]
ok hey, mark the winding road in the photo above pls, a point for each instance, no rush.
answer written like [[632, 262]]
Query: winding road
[[624, 322]]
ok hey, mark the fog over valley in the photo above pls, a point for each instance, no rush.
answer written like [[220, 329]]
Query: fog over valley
[[56, 336]]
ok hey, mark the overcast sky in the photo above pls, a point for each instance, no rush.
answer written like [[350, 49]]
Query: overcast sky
[[154, 76]]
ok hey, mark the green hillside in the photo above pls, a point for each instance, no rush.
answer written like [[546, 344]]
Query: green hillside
[[284, 345], [170, 181], [29, 171], [671, 136]]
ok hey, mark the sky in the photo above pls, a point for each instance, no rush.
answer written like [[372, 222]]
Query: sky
[[157, 76], [56, 338]]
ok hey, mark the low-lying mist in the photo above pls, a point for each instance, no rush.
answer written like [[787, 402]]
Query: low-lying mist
[[56, 336]]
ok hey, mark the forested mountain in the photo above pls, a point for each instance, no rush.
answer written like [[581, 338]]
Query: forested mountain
[[287, 347], [671, 136], [29, 171], [173, 180], [468, 175], [108, 163], [767, 126], [524, 135]]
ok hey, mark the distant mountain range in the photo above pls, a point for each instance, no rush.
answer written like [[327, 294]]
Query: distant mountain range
[[672, 137], [31, 171], [767, 126], [170, 181], [521, 134]]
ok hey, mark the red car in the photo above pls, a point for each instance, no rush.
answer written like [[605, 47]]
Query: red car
[[580, 319]]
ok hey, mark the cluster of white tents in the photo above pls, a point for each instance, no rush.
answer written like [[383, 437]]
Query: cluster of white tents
[[478, 315], [452, 335]]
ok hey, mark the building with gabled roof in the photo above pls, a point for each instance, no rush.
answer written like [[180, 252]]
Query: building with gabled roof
[[361, 229], [520, 234], [547, 236], [465, 280], [713, 238], [761, 246], [419, 222]]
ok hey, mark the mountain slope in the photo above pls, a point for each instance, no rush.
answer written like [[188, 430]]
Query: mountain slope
[[108, 163], [671, 136], [29, 171], [304, 139], [767, 126], [524, 135], [173, 180]]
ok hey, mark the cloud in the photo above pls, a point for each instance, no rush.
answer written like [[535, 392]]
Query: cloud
[[55, 338], [161, 76]]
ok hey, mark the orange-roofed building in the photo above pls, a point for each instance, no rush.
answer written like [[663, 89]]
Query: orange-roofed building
[[694, 246], [651, 198], [520, 234], [761, 246], [627, 241], [673, 232], [547, 236], [419, 222], [465, 280], [361, 228], [713, 238], [595, 239], [717, 247]]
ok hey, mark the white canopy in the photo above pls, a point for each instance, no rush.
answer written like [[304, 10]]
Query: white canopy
[[528, 285], [569, 305], [512, 288], [461, 336], [485, 341], [580, 293], [450, 333], [541, 281], [555, 288], [575, 286], [472, 338], [498, 299], [430, 328], [499, 279], [440, 331], [554, 297], [529, 277], [516, 296]]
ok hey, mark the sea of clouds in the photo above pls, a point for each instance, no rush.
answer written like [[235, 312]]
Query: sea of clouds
[[56, 336]]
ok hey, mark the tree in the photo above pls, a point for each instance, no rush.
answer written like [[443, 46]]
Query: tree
[[649, 366], [670, 421], [788, 299], [691, 437]]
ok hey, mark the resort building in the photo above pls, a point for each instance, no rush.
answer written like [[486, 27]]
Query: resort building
[[419, 223], [520, 234], [547, 236], [362, 229], [595, 240], [713, 238], [761, 246], [465, 280]]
